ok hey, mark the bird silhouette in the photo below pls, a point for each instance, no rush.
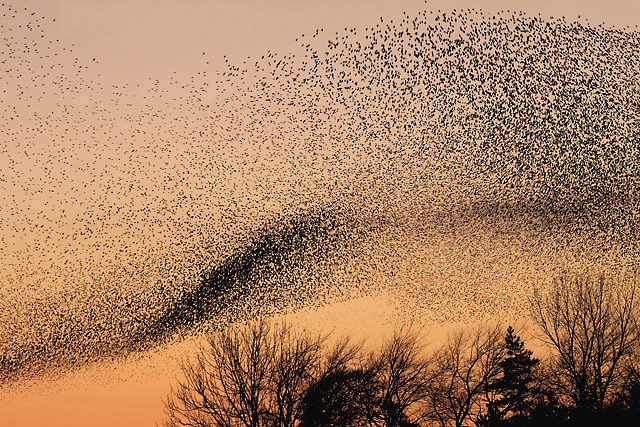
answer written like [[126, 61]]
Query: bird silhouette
[[448, 158]]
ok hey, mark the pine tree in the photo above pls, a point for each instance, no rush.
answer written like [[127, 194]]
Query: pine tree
[[514, 388]]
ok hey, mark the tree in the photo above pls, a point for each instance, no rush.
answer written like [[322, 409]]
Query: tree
[[343, 393], [385, 389], [249, 376], [625, 409], [404, 376], [466, 364], [590, 324], [344, 397], [511, 397]]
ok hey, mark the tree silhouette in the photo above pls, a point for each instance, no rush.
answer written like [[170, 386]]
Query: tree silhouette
[[625, 409], [341, 398], [591, 326], [511, 395], [405, 375], [249, 376], [466, 364], [266, 375]]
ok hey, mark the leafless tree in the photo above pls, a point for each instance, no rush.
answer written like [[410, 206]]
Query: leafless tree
[[467, 362], [405, 373], [591, 325], [297, 362], [249, 376]]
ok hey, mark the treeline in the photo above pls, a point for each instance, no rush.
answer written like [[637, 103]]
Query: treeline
[[266, 374]]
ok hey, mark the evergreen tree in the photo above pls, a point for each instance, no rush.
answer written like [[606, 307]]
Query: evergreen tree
[[513, 390]]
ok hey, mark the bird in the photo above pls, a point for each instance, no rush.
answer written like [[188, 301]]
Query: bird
[[447, 158]]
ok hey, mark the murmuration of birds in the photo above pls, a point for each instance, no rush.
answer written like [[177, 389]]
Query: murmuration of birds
[[454, 160]]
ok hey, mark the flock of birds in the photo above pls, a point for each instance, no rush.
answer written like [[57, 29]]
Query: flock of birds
[[450, 159]]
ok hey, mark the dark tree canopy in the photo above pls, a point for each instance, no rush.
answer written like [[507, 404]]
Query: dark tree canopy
[[343, 398]]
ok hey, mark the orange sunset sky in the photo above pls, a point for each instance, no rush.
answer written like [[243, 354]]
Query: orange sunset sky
[[125, 47]]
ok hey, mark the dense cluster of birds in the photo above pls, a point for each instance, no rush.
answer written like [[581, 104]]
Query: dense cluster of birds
[[452, 159]]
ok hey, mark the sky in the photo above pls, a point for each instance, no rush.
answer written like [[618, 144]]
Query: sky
[[134, 40], [137, 41]]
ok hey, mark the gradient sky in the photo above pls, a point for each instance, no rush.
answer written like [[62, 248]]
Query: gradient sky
[[134, 40]]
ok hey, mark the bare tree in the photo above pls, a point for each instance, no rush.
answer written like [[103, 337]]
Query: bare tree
[[466, 364], [249, 376], [298, 361], [405, 375], [590, 323]]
